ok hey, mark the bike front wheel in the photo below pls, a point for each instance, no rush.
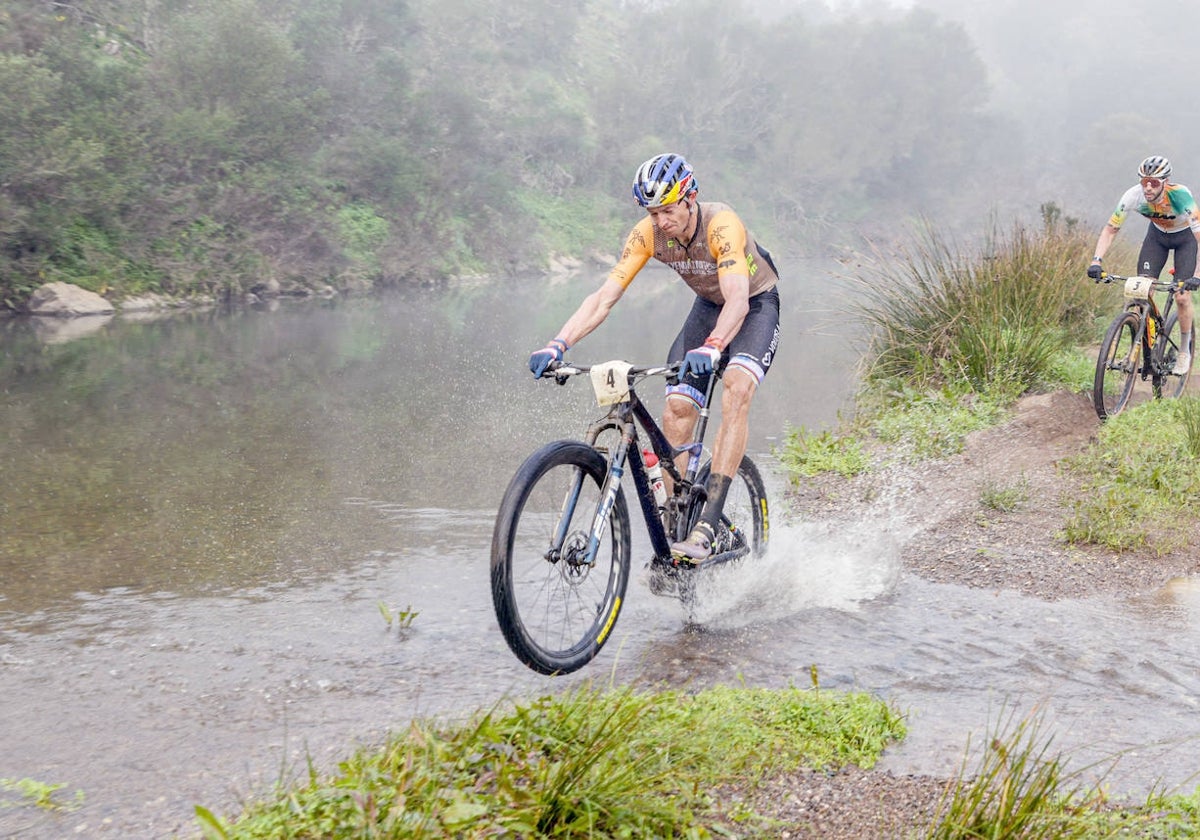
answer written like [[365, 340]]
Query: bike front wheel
[[1166, 351], [1117, 366], [558, 580]]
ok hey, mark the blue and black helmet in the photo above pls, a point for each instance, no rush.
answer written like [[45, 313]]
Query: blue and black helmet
[[663, 180]]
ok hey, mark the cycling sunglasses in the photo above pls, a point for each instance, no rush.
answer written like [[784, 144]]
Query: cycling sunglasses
[[1153, 183]]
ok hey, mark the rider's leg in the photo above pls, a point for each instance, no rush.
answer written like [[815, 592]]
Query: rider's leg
[[678, 422], [750, 356], [1185, 268], [728, 449], [1183, 303], [1183, 361], [730, 443]]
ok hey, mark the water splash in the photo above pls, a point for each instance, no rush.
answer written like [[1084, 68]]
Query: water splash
[[809, 565]]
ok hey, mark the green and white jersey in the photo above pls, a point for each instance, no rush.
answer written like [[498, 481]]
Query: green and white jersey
[[1174, 211]]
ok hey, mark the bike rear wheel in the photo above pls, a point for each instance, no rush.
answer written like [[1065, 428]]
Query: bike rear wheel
[[556, 606], [1117, 366], [1166, 351], [745, 520]]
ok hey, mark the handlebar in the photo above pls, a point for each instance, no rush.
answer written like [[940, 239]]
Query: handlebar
[[562, 371], [1171, 285]]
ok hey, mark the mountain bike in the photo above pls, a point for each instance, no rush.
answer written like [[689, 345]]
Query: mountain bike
[[561, 547], [1142, 342]]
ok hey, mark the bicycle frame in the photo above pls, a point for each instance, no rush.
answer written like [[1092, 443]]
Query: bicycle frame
[[1150, 318], [626, 416]]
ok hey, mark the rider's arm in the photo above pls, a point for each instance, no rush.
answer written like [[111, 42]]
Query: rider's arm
[[727, 242], [1128, 201], [596, 306], [736, 290], [1107, 235]]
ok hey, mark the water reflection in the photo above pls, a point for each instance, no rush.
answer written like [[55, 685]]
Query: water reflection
[[64, 330], [210, 451]]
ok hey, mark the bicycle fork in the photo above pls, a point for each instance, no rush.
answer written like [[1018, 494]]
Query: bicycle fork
[[608, 497]]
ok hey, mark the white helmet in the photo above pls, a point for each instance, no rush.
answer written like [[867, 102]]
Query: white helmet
[[1155, 166]]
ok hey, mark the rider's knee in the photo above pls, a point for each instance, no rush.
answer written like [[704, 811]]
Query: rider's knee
[[679, 408], [740, 387]]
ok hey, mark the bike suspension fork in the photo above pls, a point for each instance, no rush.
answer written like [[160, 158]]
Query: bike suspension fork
[[608, 494]]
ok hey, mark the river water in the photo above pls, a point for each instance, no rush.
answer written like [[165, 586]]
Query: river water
[[204, 519]]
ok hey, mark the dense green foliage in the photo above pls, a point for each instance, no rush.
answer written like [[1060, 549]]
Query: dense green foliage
[[993, 319], [163, 145], [586, 764]]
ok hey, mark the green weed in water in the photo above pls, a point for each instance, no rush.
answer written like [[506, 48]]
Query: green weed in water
[[39, 794], [403, 619]]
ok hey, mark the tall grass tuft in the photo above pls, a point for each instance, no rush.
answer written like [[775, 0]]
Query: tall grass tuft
[[1020, 789], [997, 320], [1188, 410]]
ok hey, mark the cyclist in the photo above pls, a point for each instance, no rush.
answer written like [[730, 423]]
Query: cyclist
[[733, 322], [1172, 211]]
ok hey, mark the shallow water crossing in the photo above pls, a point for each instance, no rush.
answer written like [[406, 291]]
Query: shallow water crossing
[[208, 523]]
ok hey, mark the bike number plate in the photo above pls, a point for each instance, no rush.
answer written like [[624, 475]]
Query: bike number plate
[[1138, 288], [611, 382]]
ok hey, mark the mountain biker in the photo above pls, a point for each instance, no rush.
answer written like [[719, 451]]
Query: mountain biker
[[733, 322], [1172, 210]]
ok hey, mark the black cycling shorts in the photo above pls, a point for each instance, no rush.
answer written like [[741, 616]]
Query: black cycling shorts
[[1155, 246], [752, 349]]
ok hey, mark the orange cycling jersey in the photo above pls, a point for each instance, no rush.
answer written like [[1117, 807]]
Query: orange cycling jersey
[[720, 246]]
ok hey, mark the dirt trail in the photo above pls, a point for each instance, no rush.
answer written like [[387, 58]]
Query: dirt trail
[[957, 539]]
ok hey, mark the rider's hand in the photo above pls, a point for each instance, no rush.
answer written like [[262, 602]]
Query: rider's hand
[[702, 360], [539, 360], [1190, 285], [1095, 271]]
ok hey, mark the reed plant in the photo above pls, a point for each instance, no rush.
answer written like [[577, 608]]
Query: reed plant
[[996, 319], [1020, 788]]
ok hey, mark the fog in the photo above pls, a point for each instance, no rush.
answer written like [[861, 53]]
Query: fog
[[1086, 89]]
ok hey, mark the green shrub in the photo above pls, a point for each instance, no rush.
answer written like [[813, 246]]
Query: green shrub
[[806, 454], [1140, 478], [589, 763], [997, 319]]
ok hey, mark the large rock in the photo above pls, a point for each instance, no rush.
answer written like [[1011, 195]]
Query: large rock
[[63, 300]]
